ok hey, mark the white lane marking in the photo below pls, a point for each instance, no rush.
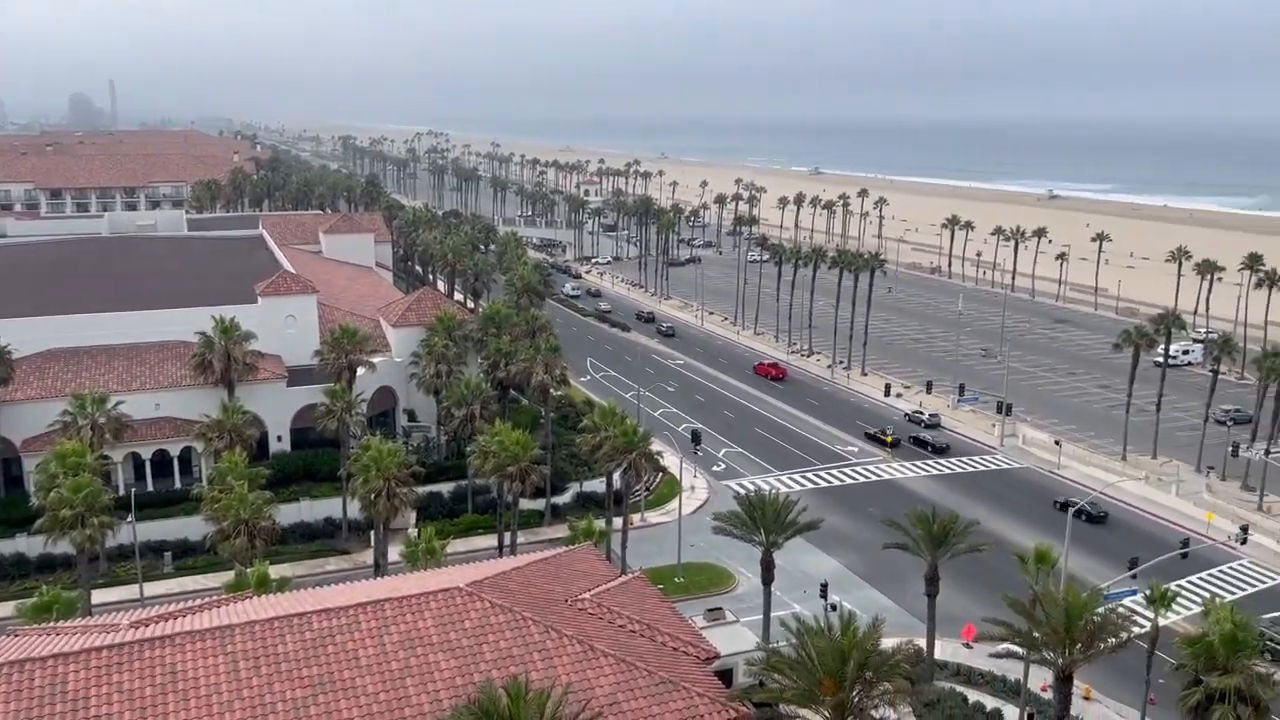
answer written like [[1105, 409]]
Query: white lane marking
[[726, 412], [700, 398], [846, 474], [771, 437], [606, 347], [1226, 582], [815, 402]]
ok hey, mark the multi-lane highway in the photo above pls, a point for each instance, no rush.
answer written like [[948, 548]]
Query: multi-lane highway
[[1063, 376], [804, 436]]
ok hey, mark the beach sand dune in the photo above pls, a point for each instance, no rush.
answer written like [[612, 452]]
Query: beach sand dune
[[1132, 266]]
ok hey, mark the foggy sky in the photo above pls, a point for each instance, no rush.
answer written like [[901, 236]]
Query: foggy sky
[[448, 62]]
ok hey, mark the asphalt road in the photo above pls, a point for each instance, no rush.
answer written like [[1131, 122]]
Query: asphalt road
[[714, 388], [1063, 376]]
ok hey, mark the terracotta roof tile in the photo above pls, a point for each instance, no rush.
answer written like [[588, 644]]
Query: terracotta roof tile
[[125, 368], [139, 431], [285, 283], [346, 224], [417, 309], [98, 171], [358, 650], [305, 228], [331, 317]]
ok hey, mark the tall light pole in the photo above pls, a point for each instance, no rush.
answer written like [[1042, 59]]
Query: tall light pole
[[1004, 393], [955, 361], [1066, 540], [1004, 314], [679, 511]]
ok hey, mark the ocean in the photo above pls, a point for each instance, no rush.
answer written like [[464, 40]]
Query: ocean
[[1200, 165]]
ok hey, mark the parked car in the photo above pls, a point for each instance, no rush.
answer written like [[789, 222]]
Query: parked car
[[575, 273], [770, 370], [1204, 334], [924, 418], [1090, 512], [602, 260], [666, 329], [1234, 414], [930, 443], [755, 257], [645, 316], [884, 437], [594, 292], [604, 307]]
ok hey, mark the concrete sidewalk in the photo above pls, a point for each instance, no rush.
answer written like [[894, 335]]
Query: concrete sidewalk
[[696, 492]]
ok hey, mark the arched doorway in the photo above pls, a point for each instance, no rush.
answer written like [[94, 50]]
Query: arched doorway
[[109, 472], [303, 434], [163, 471], [262, 446], [381, 410], [189, 470], [134, 469], [11, 473]]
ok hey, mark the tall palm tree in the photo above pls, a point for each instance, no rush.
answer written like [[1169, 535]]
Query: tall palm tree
[[341, 413], [518, 699], [381, 481], [1040, 234], [75, 506], [778, 258], [224, 354], [1222, 660], [795, 256], [1202, 269], [1136, 340], [1159, 600], [1061, 258], [231, 427], [512, 458], [967, 226], [1250, 266], [997, 234], [766, 521], [817, 256], [1017, 238], [94, 418], [638, 466], [433, 366], [1221, 351], [242, 513], [843, 261], [1215, 270], [862, 196], [425, 549], [598, 439], [874, 263], [934, 538], [839, 669], [1178, 257], [1266, 366], [1101, 238], [469, 405], [1163, 325], [544, 375], [881, 202], [951, 224], [344, 352], [1036, 568], [859, 265], [1063, 631], [1268, 281]]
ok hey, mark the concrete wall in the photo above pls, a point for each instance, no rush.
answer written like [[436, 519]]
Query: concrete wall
[[65, 225], [161, 221], [354, 248]]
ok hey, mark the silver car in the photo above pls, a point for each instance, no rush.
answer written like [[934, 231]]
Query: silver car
[[604, 307]]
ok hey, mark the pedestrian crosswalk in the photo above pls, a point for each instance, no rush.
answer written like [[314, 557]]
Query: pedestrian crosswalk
[[1224, 582], [850, 474]]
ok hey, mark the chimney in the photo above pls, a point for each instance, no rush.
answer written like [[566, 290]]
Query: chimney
[[714, 615], [235, 156], [114, 118]]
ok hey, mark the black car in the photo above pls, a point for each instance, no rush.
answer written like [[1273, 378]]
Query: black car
[[1090, 512], [928, 442], [646, 316], [594, 292], [884, 436], [666, 329], [692, 259]]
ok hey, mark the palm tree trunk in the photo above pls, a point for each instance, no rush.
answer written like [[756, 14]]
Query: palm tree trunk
[[835, 321], [951, 251], [791, 302], [85, 579], [549, 441], [768, 572], [1208, 296], [515, 520], [608, 515], [777, 305], [1195, 312], [344, 453], [1266, 319], [755, 323], [1244, 328], [1271, 439], [1258, 401], [1013, 275], [932, 586], [1128, 403], [1035, 262], [866, 321], [813, 290], [853, 318], [995, 255], [379, 542], [626, 523], [1097, 272], [501, 518], [1164, 372], [1152, 640], [1204, 421], [964, 254], [1064, 685], [738, 275]]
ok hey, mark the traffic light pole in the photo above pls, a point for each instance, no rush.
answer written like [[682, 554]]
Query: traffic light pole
[[1005, 392], [1166, 556]]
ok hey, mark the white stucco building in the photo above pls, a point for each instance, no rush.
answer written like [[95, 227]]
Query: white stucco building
[[117, 309]]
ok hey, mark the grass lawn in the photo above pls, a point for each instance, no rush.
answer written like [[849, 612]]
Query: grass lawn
[[664, 492], [700, 578]]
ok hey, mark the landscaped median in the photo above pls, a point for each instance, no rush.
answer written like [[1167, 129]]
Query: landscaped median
[[691, 580], [602, 318]]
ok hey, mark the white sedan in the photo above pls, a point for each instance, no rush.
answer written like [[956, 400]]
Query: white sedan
[[602, 260], [1204, 334]]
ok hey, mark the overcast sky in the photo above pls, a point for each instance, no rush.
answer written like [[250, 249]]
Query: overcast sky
[[452, 62]]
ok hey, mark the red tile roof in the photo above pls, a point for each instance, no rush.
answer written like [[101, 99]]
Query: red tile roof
[[399, 648], [285, 283], [417, 309], [348, 224], [125, 368], [305, 228], [139, 431], [112, 171]]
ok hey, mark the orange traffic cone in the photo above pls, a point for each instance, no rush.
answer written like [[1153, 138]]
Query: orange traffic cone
[[1044, 686], [1151, 699]]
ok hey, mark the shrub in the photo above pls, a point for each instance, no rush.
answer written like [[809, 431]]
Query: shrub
[[945, 703], [17, 515], [300, 467]]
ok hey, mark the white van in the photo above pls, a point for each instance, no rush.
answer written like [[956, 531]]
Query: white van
[[571, 290], [1180, 353]]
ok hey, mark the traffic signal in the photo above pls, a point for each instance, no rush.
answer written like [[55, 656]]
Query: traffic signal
[[928, 387], [824, 591], [1134, 562], [960, 390], [1235, 448], [1185, 544], [695, 438], [1243, 537], [888, 389], [999, 408], [1008, 409]]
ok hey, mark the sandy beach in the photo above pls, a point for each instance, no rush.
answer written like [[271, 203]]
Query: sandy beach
[[1132, 265]]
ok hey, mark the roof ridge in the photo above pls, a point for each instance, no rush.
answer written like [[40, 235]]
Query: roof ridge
[[588, 603]]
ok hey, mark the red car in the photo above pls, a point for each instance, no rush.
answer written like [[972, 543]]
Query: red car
[[770, 370]]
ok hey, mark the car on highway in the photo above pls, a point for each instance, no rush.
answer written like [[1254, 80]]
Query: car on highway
[[602, 260], [692, 259], [666, 329], [604, 307], [571, 290], [770, 370], [1233, 414], [594, 292], [755, 257], [575, 273], [924, 418], [883, 436], [1090, 512], [1204, 334], [646, 316], [929, 443]]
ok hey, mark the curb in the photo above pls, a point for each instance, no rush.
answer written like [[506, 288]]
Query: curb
[[702, 596]]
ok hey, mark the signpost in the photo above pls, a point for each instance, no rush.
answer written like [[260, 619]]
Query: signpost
[[1119, 594], [969, 400]]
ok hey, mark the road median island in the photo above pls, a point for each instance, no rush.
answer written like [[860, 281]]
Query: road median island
[[691, 580]]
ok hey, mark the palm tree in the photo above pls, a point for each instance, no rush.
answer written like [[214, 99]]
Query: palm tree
[[9, 365], [50, 604], [638, 466], [1221, 351], [778, 257], [1063, 630], [951, 224], [1136, 340], [598, 439], [256, 580], [381, 481], [874, 263], [836, 669], [1039, 234], [344, 352], [860, 264], [862, 196], [796, 256], [1250, 265], [1158, 600], [241, 512], [1163, 325], [1266, 365], [881, 202], [544, 375], [766, 521], [1062, 258], [1178, 257], [1215, 270], [1017, 237], [934, 538], [517, 699], [231, 427], [224, 354], [469, 405], [433, 366], [75, 506], [843, 261], [1268, 280], [998, 234], [1035, 568], [585, 530], [816, 257], [425, 549], [1222, 660], [1101, 239], [93, 418], [512, 459], [968, 226], [341, 413]]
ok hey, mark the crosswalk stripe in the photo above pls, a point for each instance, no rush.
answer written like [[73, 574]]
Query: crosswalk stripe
[[1225, 582], [852, 474]]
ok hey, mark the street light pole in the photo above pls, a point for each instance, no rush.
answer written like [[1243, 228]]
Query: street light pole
[[1004, 393], [955, 361], [137, 550], [679, 512], [1004, 313], [1066, 541]]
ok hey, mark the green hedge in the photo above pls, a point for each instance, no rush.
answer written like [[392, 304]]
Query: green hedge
[[602, 318], [988, 682]]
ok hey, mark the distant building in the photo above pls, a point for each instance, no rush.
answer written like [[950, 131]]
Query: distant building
[[73, 173], [592, 191]]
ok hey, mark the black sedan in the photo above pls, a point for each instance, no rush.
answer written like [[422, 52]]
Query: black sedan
[[885, 437], [646, 316], [929, 443], [1090, 512]]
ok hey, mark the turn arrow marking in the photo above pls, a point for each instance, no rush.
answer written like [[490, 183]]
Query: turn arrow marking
[[717, 467]]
